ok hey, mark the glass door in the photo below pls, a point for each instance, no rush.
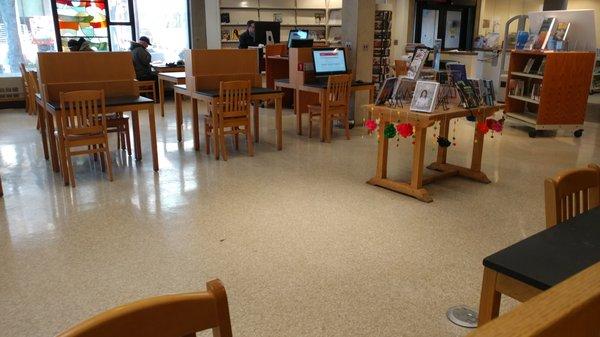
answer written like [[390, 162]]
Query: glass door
[[454, 25]]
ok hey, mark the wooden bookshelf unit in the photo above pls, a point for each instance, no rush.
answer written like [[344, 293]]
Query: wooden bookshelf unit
[[564, 87]]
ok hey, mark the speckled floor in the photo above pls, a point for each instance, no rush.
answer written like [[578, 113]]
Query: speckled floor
[[304, 246]]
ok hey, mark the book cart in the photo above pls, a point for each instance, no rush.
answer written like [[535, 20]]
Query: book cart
[[553, 97]]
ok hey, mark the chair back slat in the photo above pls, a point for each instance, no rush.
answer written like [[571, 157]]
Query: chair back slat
[[571, 193], [234, 99], [338, 91], [82, 112], [166, 316]]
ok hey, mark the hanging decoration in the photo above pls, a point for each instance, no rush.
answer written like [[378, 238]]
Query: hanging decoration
[[371, 125], [389, 131], [443, 142], [405, 129], [482, 127], [471, 118]]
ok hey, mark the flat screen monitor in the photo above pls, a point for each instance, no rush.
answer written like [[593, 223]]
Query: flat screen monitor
[[329, 61], [296, 34], [262, 27]]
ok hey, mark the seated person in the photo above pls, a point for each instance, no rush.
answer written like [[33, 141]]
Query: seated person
[[79, 45], [141, 61], [247, 37]]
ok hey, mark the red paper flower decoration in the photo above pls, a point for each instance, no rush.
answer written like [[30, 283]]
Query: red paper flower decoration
[[371, 125], [497, 126], [405, 129], [482, 127]]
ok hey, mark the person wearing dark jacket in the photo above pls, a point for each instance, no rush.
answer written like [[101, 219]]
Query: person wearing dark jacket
[[247, 37], [79, 45], [142, 59]]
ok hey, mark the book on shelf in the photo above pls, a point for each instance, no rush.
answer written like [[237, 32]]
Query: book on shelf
[[529, 65], [458, 71], [544, 33], [516, 87], [562, 30], [319, 18], [225, 18], [490, 95], [536, 89], [522, 38], [542, 67], [467, 95], [416, 64], [225, 34]]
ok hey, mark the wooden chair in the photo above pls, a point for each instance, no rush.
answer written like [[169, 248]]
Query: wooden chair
[[29, 94], [180, 315], [83, 124], [232, 117], [337, 105], [1, 190], [147, 87], [572, 192]]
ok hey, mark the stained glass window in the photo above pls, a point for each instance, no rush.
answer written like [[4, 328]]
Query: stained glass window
[[87, 19]]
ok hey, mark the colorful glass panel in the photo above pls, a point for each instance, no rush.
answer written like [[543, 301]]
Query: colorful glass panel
[[87, 19]]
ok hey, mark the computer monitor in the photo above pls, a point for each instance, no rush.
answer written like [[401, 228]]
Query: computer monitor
[[295, 35], [261, 28], [329, 61]]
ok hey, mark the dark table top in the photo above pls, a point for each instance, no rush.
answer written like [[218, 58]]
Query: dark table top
[[114, 101], [552, 255], [323, 84], [254, 91]]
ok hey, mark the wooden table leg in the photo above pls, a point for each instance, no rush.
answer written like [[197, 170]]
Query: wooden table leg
[[161, 95], [489, 303], [443, 151], [256, 120], [43, 131], [195, 124], [416, 180], [137, 142], [279, 121], [297, 111], [382, 154], [179, 116], [52, 141], [153, 141], [323, 119], [478, 139]]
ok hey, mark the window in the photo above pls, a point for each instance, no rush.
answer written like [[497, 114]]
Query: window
[[452, 22], [26, 28], [166, 26]]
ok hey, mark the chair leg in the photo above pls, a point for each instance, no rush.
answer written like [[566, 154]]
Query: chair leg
[[70, 168], [347, 126], [222, 144], [207, 132], [100, 154], [63, 161], [236, 138], [250, 141], [128, 140], [310, 120], [108, 159]]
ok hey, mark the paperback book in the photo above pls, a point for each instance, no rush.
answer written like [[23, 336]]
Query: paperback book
[[467, 95], [418, 61], [544, 33]]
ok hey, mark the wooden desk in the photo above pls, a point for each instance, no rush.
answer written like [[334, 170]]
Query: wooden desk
[[257, 95], [116, 104], [539, 262], [172, 77], [422, 121], [321, 89], [161, 68]]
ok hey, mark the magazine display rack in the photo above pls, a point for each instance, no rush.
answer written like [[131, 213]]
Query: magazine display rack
[[553, 97], [381, 46]]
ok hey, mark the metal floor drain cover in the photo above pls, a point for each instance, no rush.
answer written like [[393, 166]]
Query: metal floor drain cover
[[462, 316]]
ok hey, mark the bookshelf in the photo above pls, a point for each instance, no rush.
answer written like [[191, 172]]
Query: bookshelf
[[381, 45], [322, 18], [560, 101]]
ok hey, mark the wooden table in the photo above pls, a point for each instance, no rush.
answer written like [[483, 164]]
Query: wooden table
[[172, 77], [320, 89], [116, 104], [421, 122], [163, 68], [257, 95], [539, 262]]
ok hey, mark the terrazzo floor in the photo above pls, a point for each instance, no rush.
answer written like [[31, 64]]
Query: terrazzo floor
[[303, 245]]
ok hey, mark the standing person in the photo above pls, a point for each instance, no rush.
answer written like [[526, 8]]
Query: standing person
[[247, 37], [141, 61]]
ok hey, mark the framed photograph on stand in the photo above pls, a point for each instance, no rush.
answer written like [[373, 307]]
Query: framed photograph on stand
[[425, 96], [388, 90], [419, 58]]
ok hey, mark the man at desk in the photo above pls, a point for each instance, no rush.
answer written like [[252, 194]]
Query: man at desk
[[142, 59], [247, 37]]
